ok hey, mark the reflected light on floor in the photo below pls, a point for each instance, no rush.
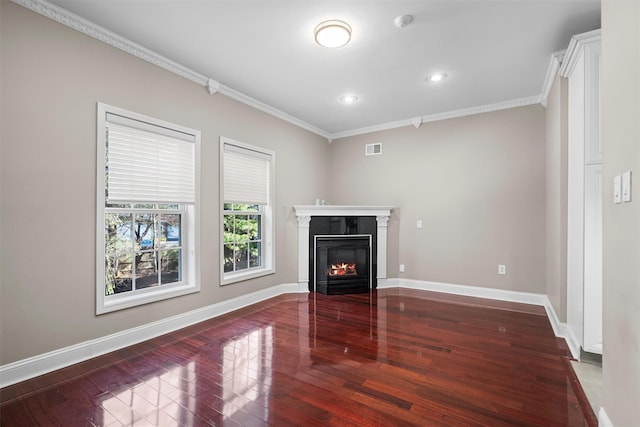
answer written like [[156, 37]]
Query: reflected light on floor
[[246, 371], [155, 400]]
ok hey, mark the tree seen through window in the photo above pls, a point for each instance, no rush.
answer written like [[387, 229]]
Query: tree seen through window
[[242, 237]]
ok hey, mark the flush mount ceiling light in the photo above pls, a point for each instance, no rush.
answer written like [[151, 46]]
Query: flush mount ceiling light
[[332, 33], [436, 77], [348, 99]]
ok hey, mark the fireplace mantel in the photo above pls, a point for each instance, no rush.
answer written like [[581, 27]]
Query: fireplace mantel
[[342, 210], [304, 214]]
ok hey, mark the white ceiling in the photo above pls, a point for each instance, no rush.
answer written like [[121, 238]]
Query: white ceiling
[[493, 51]]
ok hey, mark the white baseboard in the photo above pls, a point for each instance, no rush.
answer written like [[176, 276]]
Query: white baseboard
[[560, 329], [41, 364], [465, 290], [603, 418]]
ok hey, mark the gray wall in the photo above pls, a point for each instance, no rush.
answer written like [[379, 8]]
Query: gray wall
[[621, 223], [478, 185], [556, 162], [52, 78]]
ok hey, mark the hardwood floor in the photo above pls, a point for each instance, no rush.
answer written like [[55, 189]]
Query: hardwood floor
[[394, 357]]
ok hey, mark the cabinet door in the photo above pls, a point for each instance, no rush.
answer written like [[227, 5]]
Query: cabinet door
[[592, 139], [593, 259]]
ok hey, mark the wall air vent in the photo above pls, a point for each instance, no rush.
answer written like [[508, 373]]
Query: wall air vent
[[373, 149]]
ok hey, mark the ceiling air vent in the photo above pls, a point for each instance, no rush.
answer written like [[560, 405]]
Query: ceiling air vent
[[373, 149]]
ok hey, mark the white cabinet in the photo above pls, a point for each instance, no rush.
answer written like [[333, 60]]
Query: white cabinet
[[584, 209]]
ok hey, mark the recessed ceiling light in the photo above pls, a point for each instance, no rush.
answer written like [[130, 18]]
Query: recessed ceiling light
[[348, 99], [332, 33], [436, 77]]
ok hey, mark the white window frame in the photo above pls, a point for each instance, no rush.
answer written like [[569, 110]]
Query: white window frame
[[190, 271], [268, 221]]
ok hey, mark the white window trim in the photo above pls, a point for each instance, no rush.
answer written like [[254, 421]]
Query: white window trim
[[268, 252], [191, 268]]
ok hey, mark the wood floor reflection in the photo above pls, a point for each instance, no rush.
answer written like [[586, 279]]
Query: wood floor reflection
[[393, 357]]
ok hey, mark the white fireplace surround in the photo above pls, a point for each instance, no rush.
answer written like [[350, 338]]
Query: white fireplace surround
[[304, 214]]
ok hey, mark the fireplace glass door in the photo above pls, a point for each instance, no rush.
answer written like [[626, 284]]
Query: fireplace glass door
[[342, 263]]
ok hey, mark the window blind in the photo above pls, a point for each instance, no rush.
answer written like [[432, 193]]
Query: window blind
[[245, 175], [145, 166]]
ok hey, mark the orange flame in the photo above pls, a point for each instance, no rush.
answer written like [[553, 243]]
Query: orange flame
[[342, 269]]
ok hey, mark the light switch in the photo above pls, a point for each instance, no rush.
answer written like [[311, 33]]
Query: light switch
[[617, 189], [419, 223], [626, 186]]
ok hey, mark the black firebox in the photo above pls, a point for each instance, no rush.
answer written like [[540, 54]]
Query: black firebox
[[342, 263], [342, 254]]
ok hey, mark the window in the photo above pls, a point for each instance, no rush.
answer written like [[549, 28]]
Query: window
[[242, 237], [246, 173], [147, 208]]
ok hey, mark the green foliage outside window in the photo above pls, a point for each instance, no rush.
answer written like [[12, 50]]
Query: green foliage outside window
[[242, 237]]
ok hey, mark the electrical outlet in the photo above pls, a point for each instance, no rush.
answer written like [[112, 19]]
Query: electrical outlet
[[419, 223], [401, 268], [502, 269]]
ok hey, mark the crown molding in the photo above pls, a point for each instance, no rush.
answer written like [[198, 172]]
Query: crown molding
[[575, 49], [259, 105], [87, 27], [522, 102], [555, 62], [91, 29]]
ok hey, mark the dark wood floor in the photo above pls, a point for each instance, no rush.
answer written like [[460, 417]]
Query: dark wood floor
[[390, 358]]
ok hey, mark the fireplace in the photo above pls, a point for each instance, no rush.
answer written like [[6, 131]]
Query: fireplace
[[345, 222], [342, 263]]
